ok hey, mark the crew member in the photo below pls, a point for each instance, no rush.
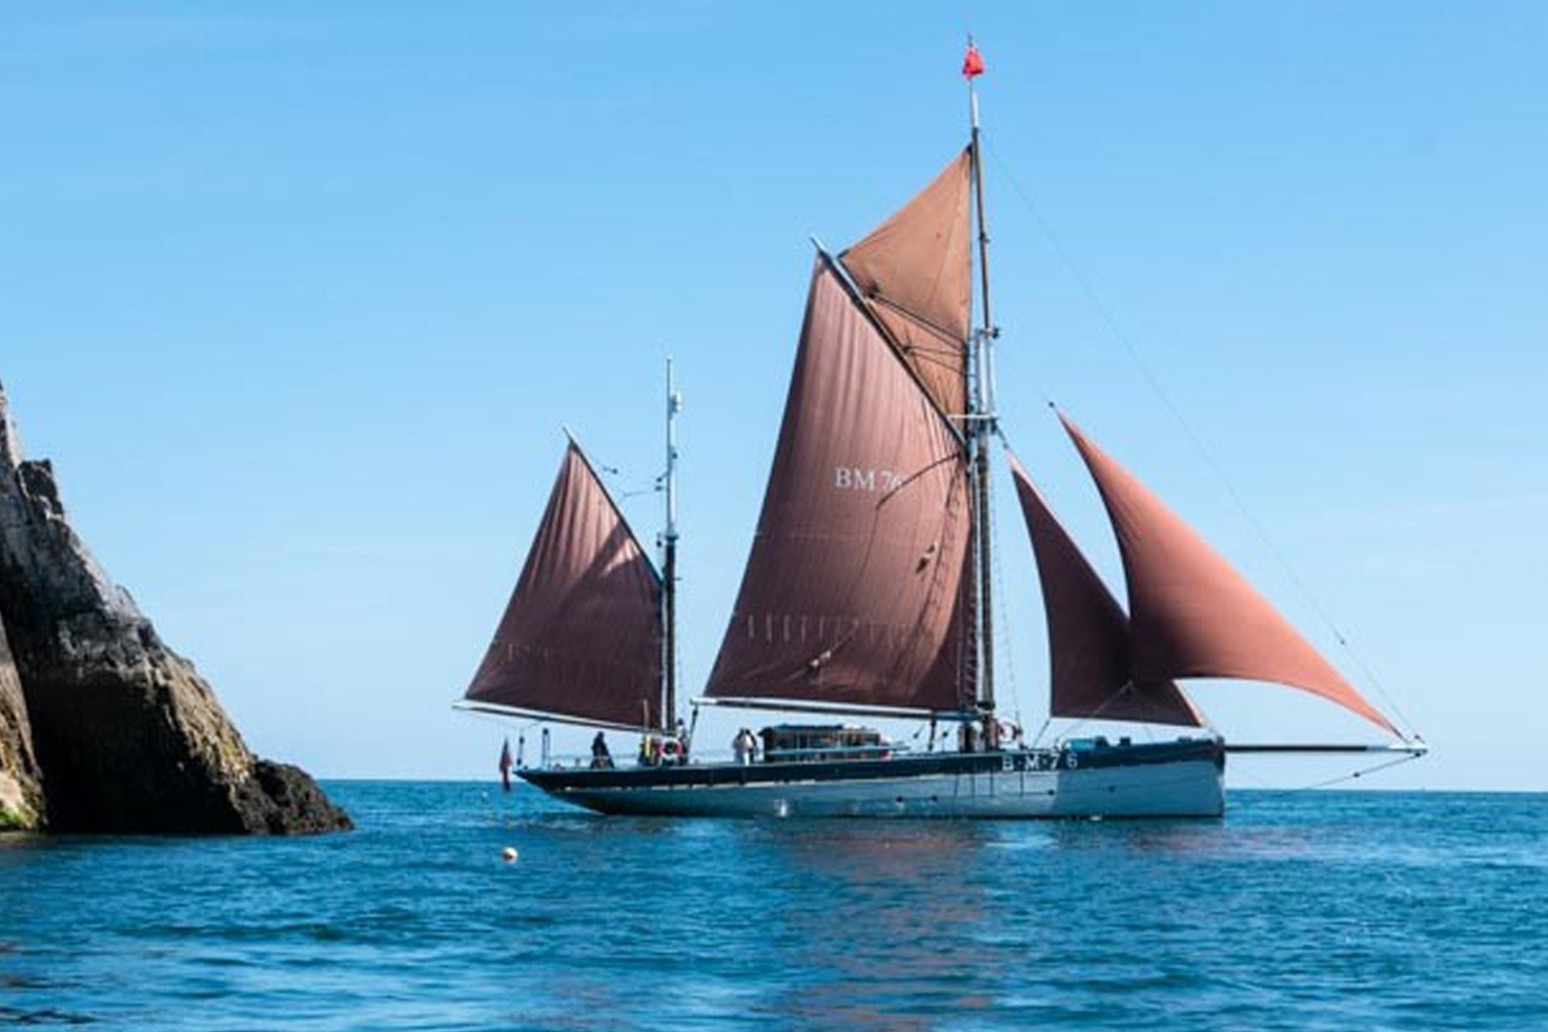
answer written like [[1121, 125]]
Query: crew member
[[601, 759]]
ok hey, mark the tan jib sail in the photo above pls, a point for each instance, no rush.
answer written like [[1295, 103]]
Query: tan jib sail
[[1090, 666], [916, 272], [851, 594], [1193, 614], [581, 636]]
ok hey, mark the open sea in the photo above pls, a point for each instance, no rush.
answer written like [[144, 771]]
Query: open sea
[[1311, 910]]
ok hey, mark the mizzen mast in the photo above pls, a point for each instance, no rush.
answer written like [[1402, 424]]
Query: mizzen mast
[[669, 562]]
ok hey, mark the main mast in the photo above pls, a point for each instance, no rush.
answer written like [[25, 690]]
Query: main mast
[[981, 424], [669, 563]]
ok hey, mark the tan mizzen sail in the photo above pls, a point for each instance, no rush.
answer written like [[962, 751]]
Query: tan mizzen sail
[[581, 637], [1193, 614], [1090, 665]]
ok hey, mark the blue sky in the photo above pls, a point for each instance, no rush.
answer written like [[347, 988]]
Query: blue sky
[[297, 297]]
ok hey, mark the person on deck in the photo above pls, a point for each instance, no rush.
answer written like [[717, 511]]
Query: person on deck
[[742, 746], [601, 759]]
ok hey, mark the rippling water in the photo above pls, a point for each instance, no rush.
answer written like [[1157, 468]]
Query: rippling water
[[1298, 911]]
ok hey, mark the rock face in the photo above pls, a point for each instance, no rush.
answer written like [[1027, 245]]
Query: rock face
[[126, 735], [21, 791]]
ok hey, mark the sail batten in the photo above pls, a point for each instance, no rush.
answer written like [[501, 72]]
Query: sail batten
[[1090, 665], [1193, 614], [580, 639]]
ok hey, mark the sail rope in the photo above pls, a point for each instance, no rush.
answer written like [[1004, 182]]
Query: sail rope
[[1153, 381], [1262, 783], [1038, 738], [655, 488], [617, 481], [1406, 758]]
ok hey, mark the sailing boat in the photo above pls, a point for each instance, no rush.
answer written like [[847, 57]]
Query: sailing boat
[[867, 592]]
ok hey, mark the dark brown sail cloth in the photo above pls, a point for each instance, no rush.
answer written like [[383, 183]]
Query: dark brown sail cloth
[[916, 270], [581, 636], [850, 594], [1193, 614], [1088, 632]]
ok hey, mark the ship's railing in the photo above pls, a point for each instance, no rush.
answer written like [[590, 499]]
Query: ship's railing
[[618, 761], [833, 752], [580, 761], [1055, 752], [572, 761]]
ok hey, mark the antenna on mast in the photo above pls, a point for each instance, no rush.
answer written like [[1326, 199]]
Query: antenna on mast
[[669, 561]]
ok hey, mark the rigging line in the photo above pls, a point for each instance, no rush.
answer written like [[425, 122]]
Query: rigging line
[[1263, 783], [835, 266], [1409, 758], [1004, 355], [930, 327], [613, 502], [1079, 722], [1041, 731], [884, 499], [620, 491], [936, 359], [1257, 781], [1107, 318], [1100, 712]]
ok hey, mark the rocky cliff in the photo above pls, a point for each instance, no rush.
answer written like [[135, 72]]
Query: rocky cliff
[[125, 735], [21, 792]]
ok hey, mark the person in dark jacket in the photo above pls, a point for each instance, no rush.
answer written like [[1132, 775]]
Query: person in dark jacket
[[600, 757]]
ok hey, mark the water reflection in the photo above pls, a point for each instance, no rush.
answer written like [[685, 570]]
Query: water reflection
[[884, 923]]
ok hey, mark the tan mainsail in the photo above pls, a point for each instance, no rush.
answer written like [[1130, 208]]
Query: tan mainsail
[[851, 593], [581, 636], [916, 272], [1090, 668], [1193, 614]]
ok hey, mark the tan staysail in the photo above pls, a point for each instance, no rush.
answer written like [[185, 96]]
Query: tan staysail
[[1193, 614], [581, 636], [916, 273], [1090, 667], [852, 592]]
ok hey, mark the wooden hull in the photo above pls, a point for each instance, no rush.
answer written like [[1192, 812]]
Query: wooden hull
[[1173, 779]]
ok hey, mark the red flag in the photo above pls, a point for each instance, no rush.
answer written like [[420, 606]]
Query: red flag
[[972, 63], [505, 765]]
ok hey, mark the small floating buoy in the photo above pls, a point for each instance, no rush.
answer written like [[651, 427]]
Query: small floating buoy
[[508, 854]]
